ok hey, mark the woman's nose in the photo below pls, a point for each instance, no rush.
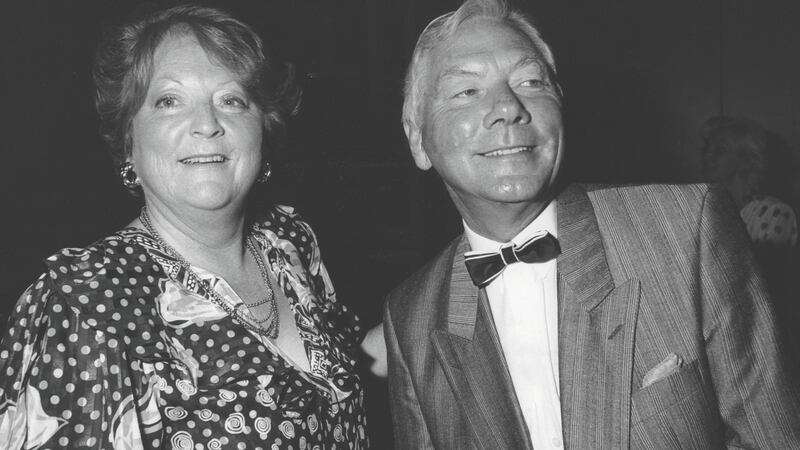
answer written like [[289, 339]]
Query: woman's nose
[[205, 122], [507, 109]]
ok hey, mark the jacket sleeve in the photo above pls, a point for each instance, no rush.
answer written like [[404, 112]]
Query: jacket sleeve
[[758, 399], [410, 429]]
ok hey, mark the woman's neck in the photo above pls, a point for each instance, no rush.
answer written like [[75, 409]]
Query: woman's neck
[[215, 241]]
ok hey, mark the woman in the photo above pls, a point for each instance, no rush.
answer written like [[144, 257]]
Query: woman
[[197, 326]]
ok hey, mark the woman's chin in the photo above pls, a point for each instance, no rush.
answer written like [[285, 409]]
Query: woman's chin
[[213, 197]]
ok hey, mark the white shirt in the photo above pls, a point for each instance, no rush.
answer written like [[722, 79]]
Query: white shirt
[[524, 304]]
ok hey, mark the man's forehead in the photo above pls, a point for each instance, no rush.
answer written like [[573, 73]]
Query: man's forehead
[[474, 65], [480, 40]]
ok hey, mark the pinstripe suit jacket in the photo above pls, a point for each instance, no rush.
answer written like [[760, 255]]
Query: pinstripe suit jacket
[[646, 272]]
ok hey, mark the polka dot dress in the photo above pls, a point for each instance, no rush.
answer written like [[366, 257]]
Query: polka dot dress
[[770, 221], [112, 348]]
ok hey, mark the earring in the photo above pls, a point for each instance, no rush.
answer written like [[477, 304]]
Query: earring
[[129, 178], [264, 177]]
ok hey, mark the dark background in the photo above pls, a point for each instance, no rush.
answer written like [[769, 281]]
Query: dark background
[[640, 78]]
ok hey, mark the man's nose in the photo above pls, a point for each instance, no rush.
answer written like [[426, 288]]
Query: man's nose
[[205, 122], [506, 109]]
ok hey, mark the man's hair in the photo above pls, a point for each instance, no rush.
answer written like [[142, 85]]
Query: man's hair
[[445, 26], [123, 67]]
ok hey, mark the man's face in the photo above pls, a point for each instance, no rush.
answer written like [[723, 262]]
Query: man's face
[[490, 119]]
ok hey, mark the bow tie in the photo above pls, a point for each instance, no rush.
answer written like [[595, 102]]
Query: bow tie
[[485, 267]]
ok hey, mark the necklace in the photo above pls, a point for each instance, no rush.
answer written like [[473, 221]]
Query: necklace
[[246, 318]]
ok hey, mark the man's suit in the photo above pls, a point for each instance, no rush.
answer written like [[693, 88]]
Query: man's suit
[[648, 275]]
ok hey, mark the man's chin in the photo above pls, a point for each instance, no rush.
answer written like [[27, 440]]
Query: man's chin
[[520, 193]]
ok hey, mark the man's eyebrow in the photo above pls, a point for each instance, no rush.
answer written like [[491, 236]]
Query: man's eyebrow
[[457, 71], [530, 60]]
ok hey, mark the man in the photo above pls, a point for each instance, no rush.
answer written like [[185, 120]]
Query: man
[[644, 325]]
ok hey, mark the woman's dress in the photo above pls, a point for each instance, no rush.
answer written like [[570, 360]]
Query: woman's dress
[[115, 347]]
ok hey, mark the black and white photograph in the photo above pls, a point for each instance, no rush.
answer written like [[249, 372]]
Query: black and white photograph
[[412, 224]]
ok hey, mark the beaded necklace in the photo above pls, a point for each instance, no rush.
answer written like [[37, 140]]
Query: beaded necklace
[[247, 318]]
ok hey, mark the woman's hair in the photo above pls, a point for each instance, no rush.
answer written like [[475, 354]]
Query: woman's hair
[[123, 68]]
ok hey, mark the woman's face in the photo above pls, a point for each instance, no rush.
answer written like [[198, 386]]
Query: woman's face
[[197, 137]]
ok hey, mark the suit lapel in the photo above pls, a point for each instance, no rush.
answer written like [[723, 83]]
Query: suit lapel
[[596, 335], [470, 354], [596, 331]]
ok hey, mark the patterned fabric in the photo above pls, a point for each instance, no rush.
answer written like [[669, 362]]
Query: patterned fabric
[[770, 221], [111, 349]]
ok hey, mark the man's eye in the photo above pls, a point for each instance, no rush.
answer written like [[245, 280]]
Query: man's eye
[[166, 101], [535, 83], [466, 93]]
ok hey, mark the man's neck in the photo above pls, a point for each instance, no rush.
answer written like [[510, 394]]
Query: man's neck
[[501, 221]]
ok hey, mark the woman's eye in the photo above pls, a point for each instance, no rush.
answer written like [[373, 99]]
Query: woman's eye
[[234, 101], [166, 101]]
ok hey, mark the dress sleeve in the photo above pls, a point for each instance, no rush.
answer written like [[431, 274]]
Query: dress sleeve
[[340, 318], [63, 383]]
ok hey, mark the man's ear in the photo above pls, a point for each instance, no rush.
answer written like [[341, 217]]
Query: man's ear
[[415, 144]]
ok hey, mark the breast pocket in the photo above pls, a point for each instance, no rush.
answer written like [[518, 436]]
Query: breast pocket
[[677, 411]]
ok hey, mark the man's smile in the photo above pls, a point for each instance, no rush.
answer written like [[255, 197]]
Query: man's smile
[[508, 151]]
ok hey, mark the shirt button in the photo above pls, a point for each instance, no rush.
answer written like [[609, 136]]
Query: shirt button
[[557, 442]]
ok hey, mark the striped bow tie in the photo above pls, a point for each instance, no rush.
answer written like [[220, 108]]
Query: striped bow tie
[[485, 267]]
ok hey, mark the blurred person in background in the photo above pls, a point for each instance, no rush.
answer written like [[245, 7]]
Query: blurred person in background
[[741, 156]]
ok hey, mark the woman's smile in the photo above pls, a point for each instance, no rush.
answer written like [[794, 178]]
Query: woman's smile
[[204, 159]]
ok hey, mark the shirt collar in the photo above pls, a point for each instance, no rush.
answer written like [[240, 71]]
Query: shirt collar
[[546, 220]]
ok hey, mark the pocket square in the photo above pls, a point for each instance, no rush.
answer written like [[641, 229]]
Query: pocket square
[[669, 365]]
